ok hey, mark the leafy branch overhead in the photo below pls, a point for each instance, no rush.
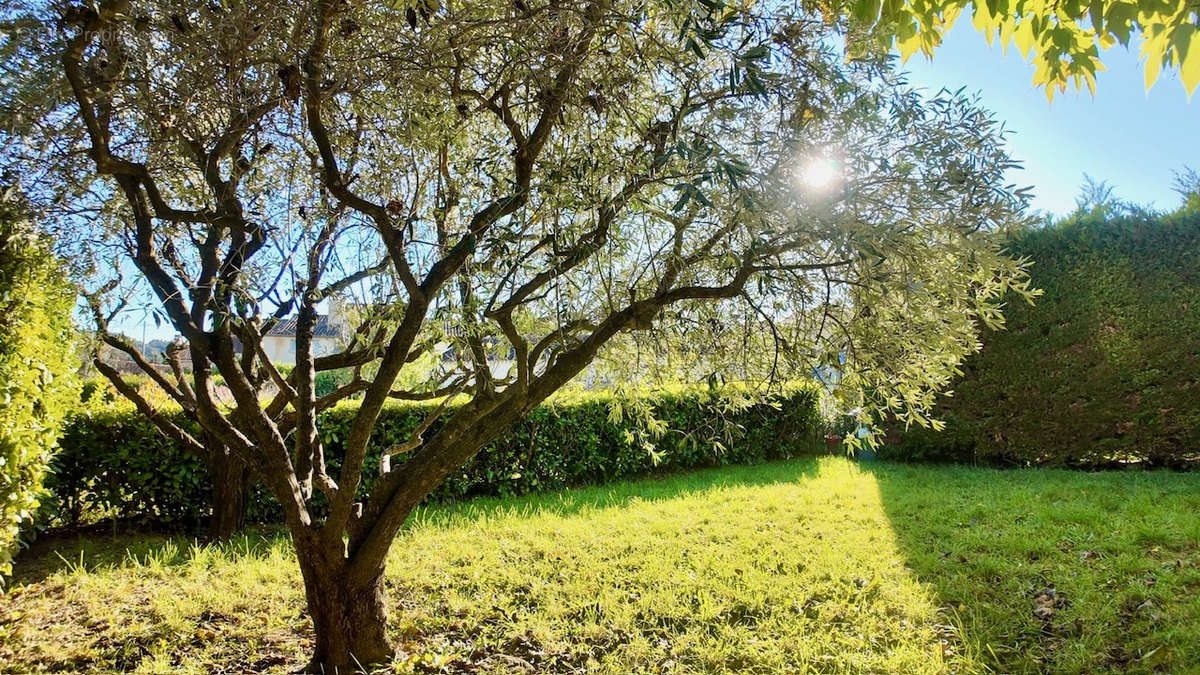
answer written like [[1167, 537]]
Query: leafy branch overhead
[[1063, 38]]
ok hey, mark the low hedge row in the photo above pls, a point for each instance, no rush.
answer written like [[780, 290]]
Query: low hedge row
[[113, 462]]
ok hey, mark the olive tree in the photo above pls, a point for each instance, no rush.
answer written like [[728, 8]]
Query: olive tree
[[687, 189]]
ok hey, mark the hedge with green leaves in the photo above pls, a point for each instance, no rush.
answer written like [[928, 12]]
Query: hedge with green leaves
[[37, 364], [1104, 369], [114, 463]]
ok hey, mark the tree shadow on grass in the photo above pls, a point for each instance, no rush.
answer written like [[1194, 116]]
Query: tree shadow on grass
[[1055, 571], [619, 493], [91, 551]]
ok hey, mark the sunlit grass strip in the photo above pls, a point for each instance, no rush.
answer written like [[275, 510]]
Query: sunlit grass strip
[[819, 565]]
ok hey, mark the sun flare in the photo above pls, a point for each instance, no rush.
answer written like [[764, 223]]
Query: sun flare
[[819, 173]]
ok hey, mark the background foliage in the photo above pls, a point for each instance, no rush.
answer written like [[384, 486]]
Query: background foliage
[[114, 461], [37, 363], [1104, 369]]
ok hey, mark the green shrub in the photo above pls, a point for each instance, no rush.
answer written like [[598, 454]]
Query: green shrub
[[1105, 369], [37, 364], [113, 462], [328, 381]]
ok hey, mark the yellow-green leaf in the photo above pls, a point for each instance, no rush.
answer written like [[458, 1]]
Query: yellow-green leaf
[[866, 11], [909, 46], [982, 21], [1023, 37], [1189, 67], [1153, 68]]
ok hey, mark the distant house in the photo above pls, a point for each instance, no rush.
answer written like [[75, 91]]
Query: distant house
[[329, 335], [280, 342]]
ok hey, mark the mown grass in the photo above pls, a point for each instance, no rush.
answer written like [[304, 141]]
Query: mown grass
[[818, 565]]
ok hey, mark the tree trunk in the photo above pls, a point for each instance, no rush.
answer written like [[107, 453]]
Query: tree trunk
[[349, 614], [230, 489]]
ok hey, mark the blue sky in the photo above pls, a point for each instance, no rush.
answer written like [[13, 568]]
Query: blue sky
[[1124, 135]]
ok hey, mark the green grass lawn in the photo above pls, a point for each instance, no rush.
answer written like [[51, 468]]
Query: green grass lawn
[[817, 565]]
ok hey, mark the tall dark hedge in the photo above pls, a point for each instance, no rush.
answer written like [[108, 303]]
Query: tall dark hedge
[[1104, 369], [113, 462]]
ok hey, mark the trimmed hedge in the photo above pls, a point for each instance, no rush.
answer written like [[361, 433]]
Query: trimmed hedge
[[1104, 370], [37, 364], [114, 463]]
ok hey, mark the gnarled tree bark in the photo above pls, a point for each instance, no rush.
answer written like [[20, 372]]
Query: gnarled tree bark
[[347, 607], [231, 483]]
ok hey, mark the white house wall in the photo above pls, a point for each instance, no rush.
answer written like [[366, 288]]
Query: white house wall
[[282, 349]]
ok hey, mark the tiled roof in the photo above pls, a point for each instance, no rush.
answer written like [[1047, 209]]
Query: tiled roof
[[323, 328]]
